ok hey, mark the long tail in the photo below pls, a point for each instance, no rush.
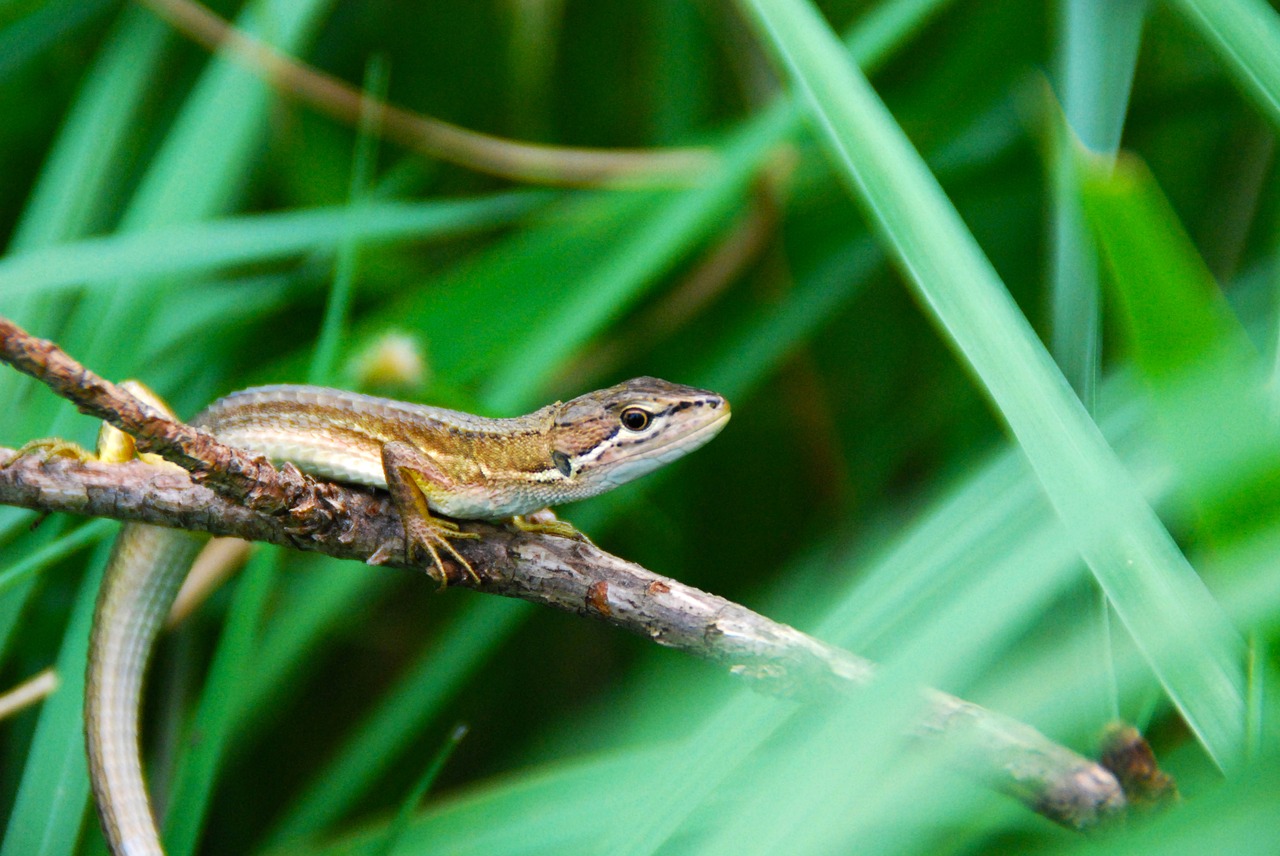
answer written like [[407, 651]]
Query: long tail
[[147, 568]]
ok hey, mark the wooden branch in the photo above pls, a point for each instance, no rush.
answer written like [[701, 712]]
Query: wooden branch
[[290, 509]]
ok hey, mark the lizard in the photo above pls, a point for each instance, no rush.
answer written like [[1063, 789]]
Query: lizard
[[436, 463]]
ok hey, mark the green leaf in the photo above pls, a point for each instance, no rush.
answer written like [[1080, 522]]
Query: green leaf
[[402, 714], [80, 178], [96, 263], [52, 552], [1191, 646], [400, 823], [1246, 36], [645, 252], [1097, 57], [51, 799], [28, 37], [198, 171], [324, 364], [1176, 316], [1207, 381], [233, 661]]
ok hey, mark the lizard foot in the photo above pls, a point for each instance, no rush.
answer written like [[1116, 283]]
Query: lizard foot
[[48, 448], [427, 536]]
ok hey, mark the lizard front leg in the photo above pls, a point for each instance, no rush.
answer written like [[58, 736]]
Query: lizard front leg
[[545, 522], [413, 479]]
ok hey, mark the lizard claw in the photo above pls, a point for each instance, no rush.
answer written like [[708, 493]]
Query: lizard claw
[[426, 537]]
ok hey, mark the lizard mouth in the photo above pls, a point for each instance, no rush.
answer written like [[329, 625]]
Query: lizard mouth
[[628, 469], [692, 439]]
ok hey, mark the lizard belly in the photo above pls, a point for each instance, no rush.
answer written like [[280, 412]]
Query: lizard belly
[[318, 455], [477, 502]]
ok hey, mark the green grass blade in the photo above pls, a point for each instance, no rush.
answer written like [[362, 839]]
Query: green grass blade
[[513, 286], [1099, 52], [1246, 36], [400, 823], [32, 35], [38, 549], [233, 660], [401, 715], [1176, 317], [13, 600], [80, 178], [543, 810], [52, 552], [95, 263], [709, 757], [199, 170], [318, 604], [1191, 646], [1257, 675], [324, 367], [1207, 382], [205, 159], [767, 338], [74, 187], [50, 805], [642, 256]]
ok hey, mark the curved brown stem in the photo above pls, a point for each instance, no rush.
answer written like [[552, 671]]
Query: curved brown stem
[[519, 161]]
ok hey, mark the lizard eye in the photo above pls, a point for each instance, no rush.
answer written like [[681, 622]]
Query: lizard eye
[[635, 419], [562, 462]]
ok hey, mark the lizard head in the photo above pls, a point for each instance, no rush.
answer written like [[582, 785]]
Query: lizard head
[[605, 438]]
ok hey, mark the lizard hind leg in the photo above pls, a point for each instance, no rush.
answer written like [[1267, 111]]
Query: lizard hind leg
[[113, 447], [47, 448], [411, 478]]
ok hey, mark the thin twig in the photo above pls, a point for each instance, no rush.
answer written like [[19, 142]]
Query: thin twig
[[520, 161], [33, 690], [565, 574]]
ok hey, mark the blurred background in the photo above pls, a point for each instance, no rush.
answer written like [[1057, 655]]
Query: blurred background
[[168, 217]]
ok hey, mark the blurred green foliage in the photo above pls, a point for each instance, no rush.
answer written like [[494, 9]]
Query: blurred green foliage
[[170, 218]]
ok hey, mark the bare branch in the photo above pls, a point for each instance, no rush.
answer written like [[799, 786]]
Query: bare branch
[[354, 523]]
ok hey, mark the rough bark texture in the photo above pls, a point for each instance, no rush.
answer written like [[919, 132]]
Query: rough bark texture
[[580, 578], [228, 492]]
